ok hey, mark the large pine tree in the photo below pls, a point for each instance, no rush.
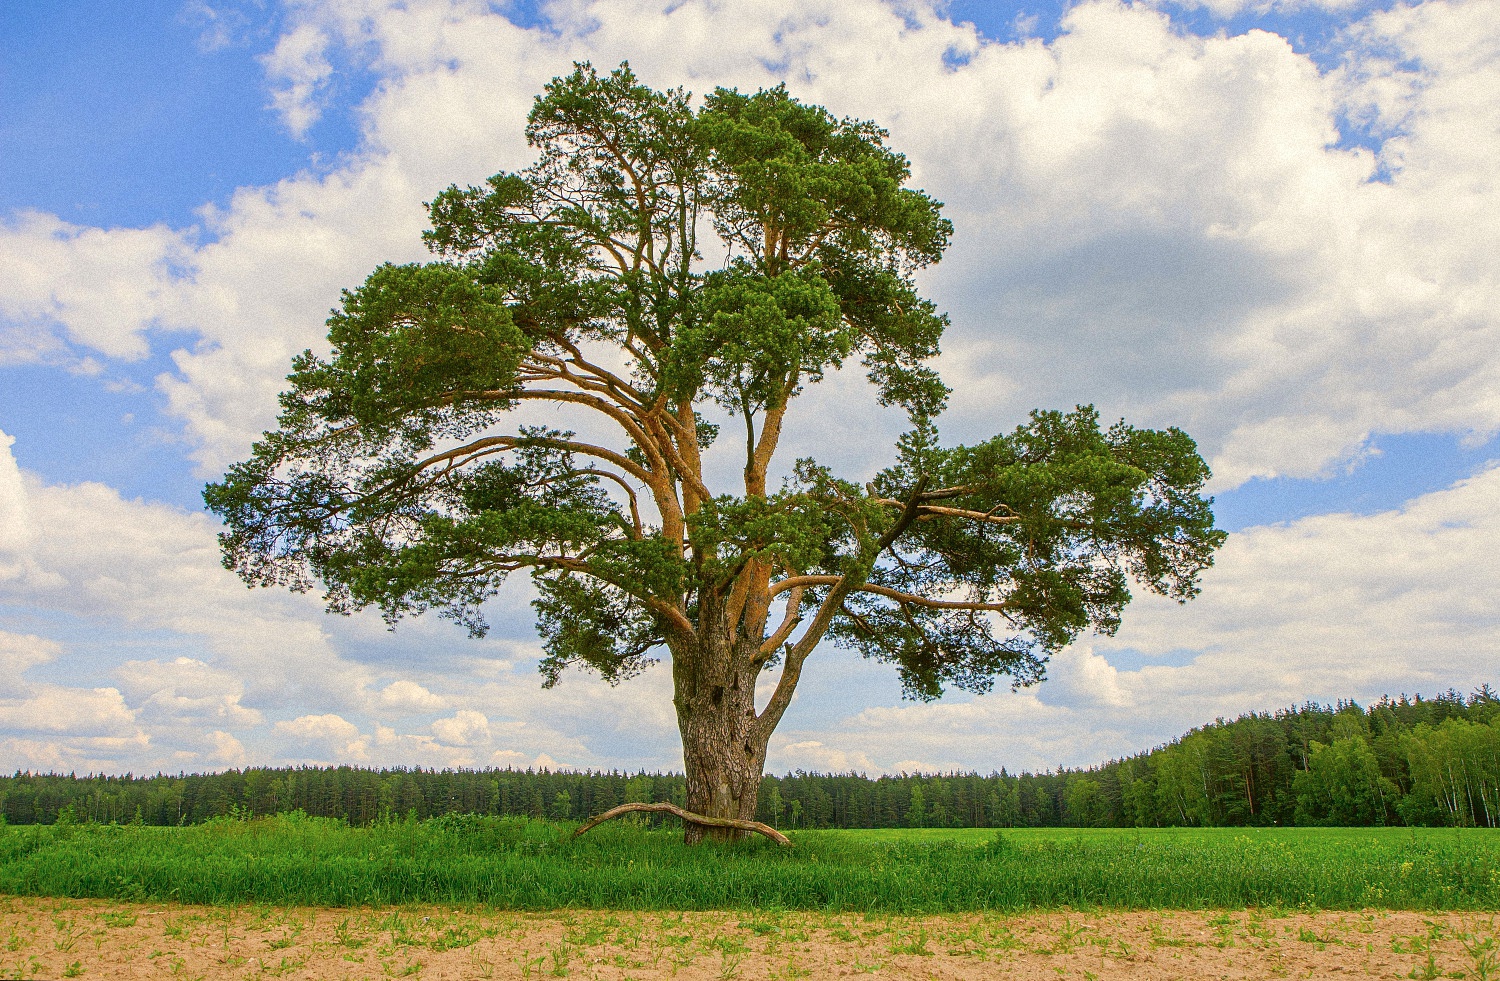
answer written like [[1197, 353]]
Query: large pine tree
[[400, 479]]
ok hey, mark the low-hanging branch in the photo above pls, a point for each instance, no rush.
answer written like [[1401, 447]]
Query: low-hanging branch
[[688, 816]]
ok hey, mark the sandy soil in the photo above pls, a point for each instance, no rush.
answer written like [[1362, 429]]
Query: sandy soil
[[51, 938]]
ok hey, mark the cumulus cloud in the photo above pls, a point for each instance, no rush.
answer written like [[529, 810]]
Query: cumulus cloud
[[1160, 223], [298, 71], [408, 696], [316, 728], [186, 692], [225, 749], [1340, 604], [1164, 224], [20, 653], [466, 728], [104, 287], [325, 738], [136, 565], [1225, 9], [145, 574], [56, 709]]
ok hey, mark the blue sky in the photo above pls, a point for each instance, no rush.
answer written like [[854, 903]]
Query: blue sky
[[1256, 221]]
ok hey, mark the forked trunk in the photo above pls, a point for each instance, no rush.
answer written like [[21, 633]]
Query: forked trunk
[[721, 750]]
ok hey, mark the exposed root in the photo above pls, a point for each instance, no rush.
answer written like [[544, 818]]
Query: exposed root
[[691, 818]]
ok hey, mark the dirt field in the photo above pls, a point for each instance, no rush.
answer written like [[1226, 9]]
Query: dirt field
[[50, 938]]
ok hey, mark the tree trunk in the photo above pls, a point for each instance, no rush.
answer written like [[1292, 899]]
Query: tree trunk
[[722, 752]]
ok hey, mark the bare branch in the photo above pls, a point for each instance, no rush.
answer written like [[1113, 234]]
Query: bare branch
[[926, 511], [631, 425], [688, 816], [802, 582], [932, 510], [788, 623], [495, 444], [603, 374], [635, 511], [660, 607]]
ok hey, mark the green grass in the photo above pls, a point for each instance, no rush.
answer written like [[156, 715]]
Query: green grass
[[529, 865]]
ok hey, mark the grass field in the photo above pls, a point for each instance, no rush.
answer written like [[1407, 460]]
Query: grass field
[[516, 864]]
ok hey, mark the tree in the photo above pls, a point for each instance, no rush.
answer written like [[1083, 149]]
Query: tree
[[400, 478], [1342, 785], [916, 814]]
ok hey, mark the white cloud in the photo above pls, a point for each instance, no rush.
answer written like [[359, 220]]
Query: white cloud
[[1013, 730], [186, 692], [814, 756], [1149, 220], [105, 288], [326, 739], [408, 696], [18, 654], [139, 574], [299, 70], [1161, 213], [226, 750], [1160, 223], [1178, 240], [90, 553], [78, 719], [1341, 604], [466, 728], [68, 712], [327, 727], [1225, 9], [85, 755]]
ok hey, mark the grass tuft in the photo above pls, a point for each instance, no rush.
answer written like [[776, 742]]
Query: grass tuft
[[514, 863]]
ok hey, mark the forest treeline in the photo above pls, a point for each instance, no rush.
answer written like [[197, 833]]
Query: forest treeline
[[1411, 761]]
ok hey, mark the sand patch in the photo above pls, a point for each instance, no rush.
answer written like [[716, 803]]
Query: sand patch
[[54, 938]]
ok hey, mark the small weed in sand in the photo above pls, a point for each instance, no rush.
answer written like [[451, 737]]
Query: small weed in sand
[[1483, 952]]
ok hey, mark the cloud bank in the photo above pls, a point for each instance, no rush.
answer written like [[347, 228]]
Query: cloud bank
[[1209, 232]]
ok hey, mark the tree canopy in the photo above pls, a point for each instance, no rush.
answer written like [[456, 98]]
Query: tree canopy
[[404, 475]]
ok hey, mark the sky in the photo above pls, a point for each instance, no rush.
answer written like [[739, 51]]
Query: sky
[[1271, 223]]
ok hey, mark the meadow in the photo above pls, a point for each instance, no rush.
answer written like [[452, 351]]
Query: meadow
[[522, 864]]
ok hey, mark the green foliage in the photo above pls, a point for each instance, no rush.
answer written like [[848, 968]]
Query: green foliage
[[1435, 761], [787, 528], [587, 623], [363, 488], [1342, 785], [400, 479], [1044, 526], [1455, 772]]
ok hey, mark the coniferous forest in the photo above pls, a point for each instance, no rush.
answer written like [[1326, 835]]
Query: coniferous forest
[[1411, 761]]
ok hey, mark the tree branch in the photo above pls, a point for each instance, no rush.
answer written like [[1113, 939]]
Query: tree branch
[[635, 511], [768, 718], [691, 818], [630, 425], [494, 444], [926, 510], [802, 582], [788, 623], [603, 374], [660, 607]]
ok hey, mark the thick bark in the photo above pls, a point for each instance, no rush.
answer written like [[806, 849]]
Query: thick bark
[[723, 751]]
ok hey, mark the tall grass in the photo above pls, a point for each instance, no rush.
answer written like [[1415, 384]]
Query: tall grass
[[521, 864]]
